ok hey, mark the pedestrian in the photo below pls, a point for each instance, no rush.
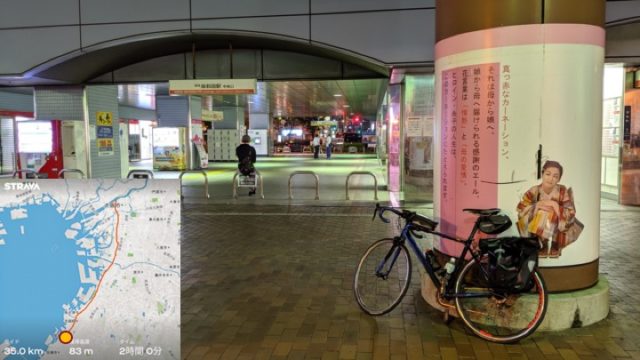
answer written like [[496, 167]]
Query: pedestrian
[[246, 159], [328, 143], [316, 145]]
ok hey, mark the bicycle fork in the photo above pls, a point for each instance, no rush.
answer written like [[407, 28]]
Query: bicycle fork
[[393, 254]]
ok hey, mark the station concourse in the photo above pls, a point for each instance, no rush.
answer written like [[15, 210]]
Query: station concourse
[[273, 279]]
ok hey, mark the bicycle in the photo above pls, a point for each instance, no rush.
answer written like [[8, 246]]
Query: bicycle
[[483, 291]]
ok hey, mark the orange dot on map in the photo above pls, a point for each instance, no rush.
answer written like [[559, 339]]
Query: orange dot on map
[[65, 337]]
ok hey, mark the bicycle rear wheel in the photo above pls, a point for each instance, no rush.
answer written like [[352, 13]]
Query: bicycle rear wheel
[[382, 277], [495, 315]]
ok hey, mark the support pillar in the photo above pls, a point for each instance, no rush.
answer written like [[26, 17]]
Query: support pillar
[[519, 83]]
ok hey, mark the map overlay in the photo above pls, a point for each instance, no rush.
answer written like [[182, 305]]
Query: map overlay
[[90, 268]]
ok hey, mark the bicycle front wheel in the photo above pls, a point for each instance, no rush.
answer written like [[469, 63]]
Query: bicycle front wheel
[[496, 315], [382, 277]]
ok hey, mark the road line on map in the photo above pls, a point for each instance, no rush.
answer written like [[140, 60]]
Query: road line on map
[[104, 274], [273, 214]]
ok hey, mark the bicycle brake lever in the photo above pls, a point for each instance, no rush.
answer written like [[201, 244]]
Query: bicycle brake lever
[[384, 219], [375, 211]]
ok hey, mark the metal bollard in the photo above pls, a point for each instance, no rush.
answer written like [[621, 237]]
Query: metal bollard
[[375, 182], [148, 173], [305, 173], [206, 181], [25, 171]]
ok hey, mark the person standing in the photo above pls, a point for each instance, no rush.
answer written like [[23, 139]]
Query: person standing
[[246, 158], [327, 143], [316, 145]]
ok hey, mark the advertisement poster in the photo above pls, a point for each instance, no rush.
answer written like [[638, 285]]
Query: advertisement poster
[[201, 154], [415, 126], [630, 176], [105, 147]]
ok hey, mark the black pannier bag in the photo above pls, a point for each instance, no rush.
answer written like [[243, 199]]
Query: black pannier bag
[[511, 262], [246, 166]]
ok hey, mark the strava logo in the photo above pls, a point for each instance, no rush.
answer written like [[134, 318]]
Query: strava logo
[[21, 186]]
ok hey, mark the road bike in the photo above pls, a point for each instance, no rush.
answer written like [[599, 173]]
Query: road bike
[[493, 284]]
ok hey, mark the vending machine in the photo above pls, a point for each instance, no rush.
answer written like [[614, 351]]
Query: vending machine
[[170, 148], [39, 148]]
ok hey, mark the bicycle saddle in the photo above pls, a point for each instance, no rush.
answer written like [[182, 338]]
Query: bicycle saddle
[[487, 212]]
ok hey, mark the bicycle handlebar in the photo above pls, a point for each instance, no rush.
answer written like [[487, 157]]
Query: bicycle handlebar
[[381, 209], [418, 221]]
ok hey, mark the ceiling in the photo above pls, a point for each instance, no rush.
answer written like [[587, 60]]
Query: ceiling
[[282, 98]]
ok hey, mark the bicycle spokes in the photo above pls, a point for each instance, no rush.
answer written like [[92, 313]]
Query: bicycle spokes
[[382, 277], [495, 314], [386, 265]]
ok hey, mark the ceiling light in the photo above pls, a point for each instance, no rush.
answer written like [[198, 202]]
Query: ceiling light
[[337, 95]]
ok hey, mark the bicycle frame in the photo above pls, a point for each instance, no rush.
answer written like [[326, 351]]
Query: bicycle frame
[[449, 293], [464, 279]]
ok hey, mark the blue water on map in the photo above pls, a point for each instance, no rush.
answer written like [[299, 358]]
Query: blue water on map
[[38, 274]]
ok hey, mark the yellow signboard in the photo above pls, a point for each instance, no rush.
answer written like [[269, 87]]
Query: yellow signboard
[[324, 123], [104, 118], [210, 115]]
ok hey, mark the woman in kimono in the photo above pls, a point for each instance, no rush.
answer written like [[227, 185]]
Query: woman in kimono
[[547, 211]]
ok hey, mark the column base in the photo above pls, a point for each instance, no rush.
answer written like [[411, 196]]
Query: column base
[[566, 310]]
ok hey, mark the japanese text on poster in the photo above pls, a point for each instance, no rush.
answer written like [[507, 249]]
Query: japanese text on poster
[[469, 142]]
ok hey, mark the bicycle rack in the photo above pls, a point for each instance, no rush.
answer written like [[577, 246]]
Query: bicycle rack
[[305, 173], [25, 171], [206, 181], [375, 182], [77, 171], [235, 184], [148, 173]]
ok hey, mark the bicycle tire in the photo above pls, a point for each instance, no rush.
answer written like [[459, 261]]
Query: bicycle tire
[[375, 295], [499, 318]]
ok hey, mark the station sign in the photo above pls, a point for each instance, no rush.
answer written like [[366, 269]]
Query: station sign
[[212, 87]]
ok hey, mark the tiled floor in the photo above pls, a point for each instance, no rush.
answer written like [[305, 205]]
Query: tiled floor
[[274, 281]]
